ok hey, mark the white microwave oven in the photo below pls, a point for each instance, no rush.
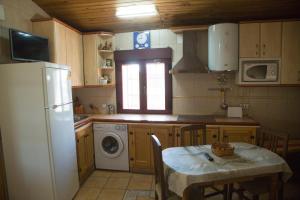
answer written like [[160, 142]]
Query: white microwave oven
[[259, 71]]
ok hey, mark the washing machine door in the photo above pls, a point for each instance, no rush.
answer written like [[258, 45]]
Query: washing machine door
[[111, 145]]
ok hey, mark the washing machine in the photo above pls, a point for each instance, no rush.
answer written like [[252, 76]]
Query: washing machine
[[111, 146]]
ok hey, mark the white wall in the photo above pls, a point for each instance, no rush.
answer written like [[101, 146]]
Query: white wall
[[18, 15], [161, 38]]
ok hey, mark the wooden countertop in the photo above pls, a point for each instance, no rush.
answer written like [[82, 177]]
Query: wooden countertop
[[167, 119], [294, 144]]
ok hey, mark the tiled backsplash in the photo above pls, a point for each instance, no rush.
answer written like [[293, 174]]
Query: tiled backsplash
[[276, 107], [95, 96]]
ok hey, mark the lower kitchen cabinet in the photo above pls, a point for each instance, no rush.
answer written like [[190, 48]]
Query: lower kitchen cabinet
[[212, 135], [85, 151], [140, 146], [238, 134]]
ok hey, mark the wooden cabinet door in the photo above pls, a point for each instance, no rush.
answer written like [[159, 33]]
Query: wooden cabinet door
[[270, 40], [290, 53], [164, 134], [91, 65], [238, 134], [74, 56], [212, 135], [140, 148], [89, 148], [60, 44], [250, 40], [46, 29], [85, 151], [81, 156], [78, 52]]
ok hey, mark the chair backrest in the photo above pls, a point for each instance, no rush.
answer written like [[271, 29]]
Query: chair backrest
[[160, 182], [193, 135], [274, 141]]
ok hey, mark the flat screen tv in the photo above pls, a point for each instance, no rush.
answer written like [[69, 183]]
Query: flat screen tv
[[27, 47]]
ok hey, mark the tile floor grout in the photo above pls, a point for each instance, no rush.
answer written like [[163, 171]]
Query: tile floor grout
[[128, 186]]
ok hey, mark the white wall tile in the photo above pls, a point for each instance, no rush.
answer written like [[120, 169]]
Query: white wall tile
[[273, 107], [154, 37]]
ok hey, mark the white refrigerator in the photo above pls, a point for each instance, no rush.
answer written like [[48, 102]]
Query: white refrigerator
[[36, 121]]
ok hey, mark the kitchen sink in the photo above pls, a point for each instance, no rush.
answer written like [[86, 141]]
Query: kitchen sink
[[78, 118]]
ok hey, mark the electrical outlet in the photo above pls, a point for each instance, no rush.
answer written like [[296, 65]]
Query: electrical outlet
[[2, 14], [245, 106]]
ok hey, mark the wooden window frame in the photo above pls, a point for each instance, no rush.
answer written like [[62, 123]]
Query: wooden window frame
[[142, 57]]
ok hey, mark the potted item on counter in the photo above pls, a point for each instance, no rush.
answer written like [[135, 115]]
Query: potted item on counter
[[78, 107], [103, 81]]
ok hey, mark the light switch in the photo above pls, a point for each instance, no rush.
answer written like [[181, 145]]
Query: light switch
[[2, 14]]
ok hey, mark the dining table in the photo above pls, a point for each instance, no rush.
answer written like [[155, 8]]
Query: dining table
[[187, 166]]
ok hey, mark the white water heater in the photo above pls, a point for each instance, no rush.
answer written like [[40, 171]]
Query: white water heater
[[223, 46]]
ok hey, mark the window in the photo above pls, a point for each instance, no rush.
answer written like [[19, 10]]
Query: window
[[156, 89], [131, 86], [144, 86]]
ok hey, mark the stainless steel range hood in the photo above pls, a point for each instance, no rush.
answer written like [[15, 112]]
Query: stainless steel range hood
[[190, 62]]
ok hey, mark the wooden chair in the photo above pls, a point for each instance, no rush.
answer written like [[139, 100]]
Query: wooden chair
[[278, 143], [161, 188], [192, 133], [196, 135]]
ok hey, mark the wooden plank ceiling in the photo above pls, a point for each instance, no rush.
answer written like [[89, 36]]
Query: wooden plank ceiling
[[95, 15]]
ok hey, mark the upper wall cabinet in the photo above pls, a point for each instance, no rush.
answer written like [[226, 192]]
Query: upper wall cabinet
[[249, 40], [260, 40], [90, 50], [99, 67], [65, 46], [290, 73], [75, 56]]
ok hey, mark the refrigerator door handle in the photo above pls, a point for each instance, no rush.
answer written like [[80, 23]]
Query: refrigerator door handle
[[56, 106]]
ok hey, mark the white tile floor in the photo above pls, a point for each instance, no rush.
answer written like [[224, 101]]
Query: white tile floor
[[113, 185], [109, 185]]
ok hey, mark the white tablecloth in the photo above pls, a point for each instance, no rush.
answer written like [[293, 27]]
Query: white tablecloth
[[187, 165]]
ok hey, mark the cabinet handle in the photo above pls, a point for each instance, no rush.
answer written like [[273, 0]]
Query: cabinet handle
[[170, 134], [131, 133], [214, 136], [148, 133], [252, 137], [131, 159], [256, 53], [178, 135], [264, 46]]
